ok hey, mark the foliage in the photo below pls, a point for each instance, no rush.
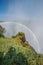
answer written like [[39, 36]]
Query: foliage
[[1, 58], [11, 58], [17, 51], [2, 30]]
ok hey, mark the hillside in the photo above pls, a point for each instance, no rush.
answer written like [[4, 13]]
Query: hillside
[[17, 51]]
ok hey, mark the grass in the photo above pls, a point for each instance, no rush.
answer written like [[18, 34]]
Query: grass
[[5, 43]]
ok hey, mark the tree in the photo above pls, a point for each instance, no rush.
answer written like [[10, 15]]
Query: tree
[[21, 59], [2, 30], [1, 58], [9, 56], [14, 58]]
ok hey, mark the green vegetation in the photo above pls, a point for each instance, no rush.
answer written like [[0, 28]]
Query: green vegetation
[[17, 51], [2, 30]]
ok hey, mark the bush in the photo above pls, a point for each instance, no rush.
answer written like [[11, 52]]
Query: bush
[[21, 59], [1, 58], [2, 30], [11, 58]]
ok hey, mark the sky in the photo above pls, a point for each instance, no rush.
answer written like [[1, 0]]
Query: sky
[[27, 12], [21, 9]]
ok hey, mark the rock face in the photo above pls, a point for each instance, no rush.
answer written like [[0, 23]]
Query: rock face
[[21, 36]]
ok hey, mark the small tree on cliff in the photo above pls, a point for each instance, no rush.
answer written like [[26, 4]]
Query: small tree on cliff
[[2, 30]]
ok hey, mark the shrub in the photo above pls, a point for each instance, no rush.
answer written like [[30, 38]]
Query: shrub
[[2, 30], [1, 58]]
